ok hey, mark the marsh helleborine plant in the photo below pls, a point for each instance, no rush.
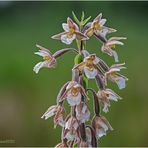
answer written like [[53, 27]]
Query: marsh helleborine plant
[[75, 131]]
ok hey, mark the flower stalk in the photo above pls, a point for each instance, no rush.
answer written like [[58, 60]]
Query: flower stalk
[[75, 128]]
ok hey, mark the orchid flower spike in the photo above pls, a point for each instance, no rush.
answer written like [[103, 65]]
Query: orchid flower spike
[[75, 129]]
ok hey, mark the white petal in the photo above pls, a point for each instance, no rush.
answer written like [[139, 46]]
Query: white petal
[[65, 27], [67, 40], [120, 82], [84, 109], [104, 32], [115, 56], [103, 125], [69, 136], [83, 117], [100, 132], [117, 38], [50, 112], [41, 54], [102, 22], [114, 42], [74, 100], [96, 61], [105, 109], [38, 66], [112, 97], [114, 70], [90, 74]]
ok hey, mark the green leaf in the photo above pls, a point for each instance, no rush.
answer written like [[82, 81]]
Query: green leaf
[[78, 59], [75, 18], [86, 20], [82, 17]]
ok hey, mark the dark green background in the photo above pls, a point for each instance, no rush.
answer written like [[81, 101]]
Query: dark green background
[[25, 96]]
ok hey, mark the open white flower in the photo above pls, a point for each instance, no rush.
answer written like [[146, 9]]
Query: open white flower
[[110, 45], [82, 112], [71, 129], [113, 75], [101, 125], [105, 96], [48, 60], [89, 66], [96, 26], [71, 33], [73, 92]]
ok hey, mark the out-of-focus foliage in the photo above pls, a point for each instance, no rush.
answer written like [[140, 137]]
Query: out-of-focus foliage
[[25, 96]]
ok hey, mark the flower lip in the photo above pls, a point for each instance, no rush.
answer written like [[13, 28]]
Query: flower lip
[[73, 93], [89, 66]]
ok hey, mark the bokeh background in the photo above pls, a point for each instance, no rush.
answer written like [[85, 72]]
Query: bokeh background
[[25, 96]]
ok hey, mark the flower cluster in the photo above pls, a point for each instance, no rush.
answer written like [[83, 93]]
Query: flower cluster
[[75, 130]]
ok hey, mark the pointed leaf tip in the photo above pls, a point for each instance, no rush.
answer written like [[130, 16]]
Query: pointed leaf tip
[[75, 18]]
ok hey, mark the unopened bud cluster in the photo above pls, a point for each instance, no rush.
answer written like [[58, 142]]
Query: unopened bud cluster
[[75, 131]]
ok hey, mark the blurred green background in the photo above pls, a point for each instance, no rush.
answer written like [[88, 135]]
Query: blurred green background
[[25, 96]]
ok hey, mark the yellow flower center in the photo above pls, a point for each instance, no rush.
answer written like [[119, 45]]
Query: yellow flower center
[[71, 30], [112, 46], [74, 91], [46, 58], [97, 25], [89, 63]]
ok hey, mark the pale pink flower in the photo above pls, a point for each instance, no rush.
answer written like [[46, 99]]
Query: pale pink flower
[[113, 75], [71, 33], [71, 129], [57, 111], [89, 66], [48, 60], [96, 25], [105, 96], [82, 112], [73, 92], [110, 45], [101, 125]]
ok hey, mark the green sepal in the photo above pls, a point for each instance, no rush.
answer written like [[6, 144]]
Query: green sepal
[[78, 59]]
